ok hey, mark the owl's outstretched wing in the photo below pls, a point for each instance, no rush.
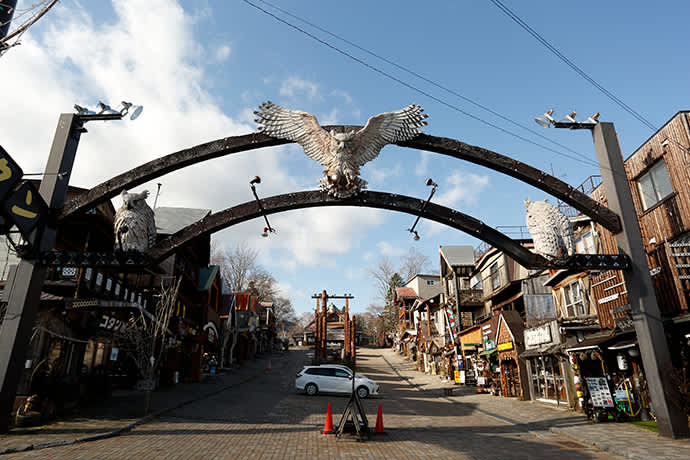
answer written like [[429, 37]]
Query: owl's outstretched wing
[[295, 125], [387, 128]]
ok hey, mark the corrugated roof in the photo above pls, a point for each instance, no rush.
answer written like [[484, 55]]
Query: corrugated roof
[[405, 293], [172, 220], [457, 255]]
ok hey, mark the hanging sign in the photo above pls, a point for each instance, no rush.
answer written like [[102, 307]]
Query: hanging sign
[[25, 208], [10, 173]]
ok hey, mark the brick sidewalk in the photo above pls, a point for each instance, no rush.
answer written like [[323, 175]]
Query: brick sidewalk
[[124, 410], [620, 438]]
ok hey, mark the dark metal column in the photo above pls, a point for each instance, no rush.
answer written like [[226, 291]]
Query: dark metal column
[[646, 316], [7, 8], [24, 294]]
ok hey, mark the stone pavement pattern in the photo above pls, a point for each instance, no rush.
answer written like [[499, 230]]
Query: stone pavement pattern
[[264, 418]]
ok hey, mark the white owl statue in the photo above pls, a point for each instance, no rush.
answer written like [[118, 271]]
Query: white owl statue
[[550, 229], [135, 224]]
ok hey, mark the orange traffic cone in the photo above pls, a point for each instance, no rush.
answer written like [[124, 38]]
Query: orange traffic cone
[[328, 426], [379, 422], [268, 366]]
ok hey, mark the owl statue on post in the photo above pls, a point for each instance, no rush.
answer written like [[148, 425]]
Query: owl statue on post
[[135, 224], [550, 229]]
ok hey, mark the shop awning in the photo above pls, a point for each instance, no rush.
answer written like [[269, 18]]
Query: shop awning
[[589, 344], [548, 350], [624, 345], [488, 352]]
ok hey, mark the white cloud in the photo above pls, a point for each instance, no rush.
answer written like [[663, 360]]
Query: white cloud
[[458, 188], [389, 250], [377, 177], [223, 52], [343, 95], [354, 273], [423, 166], [294, 85], [461, 187], [331, 118]]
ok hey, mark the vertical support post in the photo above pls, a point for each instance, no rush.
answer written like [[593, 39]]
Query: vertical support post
[[324, 324], [24, 294], [317, 329], [346, 328], [646, 316], [353, 337]]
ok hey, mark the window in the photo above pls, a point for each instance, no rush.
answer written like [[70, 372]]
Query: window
[[573, 300], [495, 276], [429, 282], [343, 374], [654, 185], [585, 244]]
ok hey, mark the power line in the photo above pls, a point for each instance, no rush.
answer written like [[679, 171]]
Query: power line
[[423, 78], [583, 160], [571, 64]]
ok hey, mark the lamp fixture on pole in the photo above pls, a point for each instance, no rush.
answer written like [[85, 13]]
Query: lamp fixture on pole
[[105, 112], [267, 229], [430, 183], [547, 121]]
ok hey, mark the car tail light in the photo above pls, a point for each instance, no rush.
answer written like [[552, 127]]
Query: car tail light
[[299, 375]]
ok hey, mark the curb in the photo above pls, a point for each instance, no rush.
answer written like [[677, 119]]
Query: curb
[[128, 427]]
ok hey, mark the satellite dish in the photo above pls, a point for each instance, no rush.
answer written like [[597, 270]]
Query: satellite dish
[[137, 111]]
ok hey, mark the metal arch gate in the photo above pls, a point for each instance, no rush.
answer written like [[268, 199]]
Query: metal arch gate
[[442, 145], [315, 198]]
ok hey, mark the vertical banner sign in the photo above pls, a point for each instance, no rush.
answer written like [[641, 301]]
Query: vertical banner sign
[[25, 208], [10, 172]]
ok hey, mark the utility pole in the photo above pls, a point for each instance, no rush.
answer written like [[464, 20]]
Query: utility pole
[[645, 310], [24, 294]]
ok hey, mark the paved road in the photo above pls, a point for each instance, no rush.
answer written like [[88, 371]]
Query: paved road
[[267, 419]]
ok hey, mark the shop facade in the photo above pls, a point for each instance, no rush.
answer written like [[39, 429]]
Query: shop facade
[[548, 371], [509, 345]]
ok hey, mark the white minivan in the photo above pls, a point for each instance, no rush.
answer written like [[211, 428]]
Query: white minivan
[[333, 378]]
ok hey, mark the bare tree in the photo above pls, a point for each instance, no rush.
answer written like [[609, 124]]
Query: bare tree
[[237, 265], [413, 263], [144, 337], [382, 273]]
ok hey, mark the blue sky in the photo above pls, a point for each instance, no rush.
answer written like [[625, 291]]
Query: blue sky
[[201, 67]]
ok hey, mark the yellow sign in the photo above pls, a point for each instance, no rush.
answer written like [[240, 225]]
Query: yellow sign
[[5, 171], [505, 346], [25, 212], [456, 375]]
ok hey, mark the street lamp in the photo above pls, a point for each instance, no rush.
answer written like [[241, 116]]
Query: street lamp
[[649, 328], [267, 229], [429, 183]]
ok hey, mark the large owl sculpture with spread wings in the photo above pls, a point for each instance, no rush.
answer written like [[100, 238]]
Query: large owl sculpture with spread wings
[[341, 153], [135, 224]]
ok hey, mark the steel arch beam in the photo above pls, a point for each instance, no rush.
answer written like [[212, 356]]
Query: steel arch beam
[[316, 198], [442, 145]]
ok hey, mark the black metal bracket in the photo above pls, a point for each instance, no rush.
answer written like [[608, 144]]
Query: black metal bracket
[[117, 259], [592, 262]]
